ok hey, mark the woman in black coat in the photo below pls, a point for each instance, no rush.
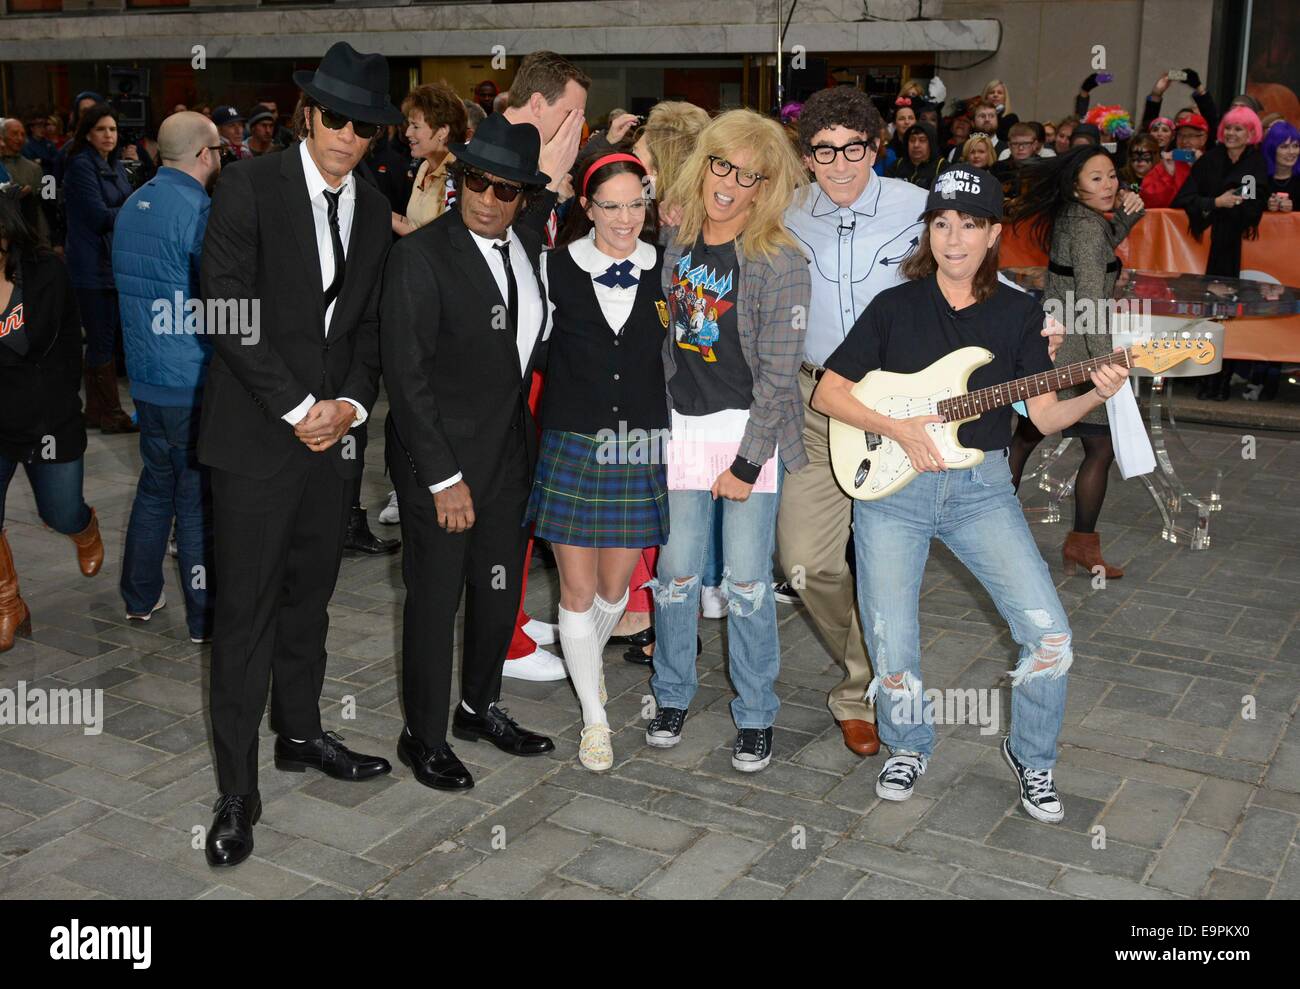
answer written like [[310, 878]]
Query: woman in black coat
[[41, 426], [95, 186], [1227, 194]]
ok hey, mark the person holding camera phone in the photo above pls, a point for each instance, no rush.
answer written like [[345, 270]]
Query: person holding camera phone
[[1161, 185]]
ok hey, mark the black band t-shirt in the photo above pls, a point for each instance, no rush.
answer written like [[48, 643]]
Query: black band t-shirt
[[712, 373], [909, 327]]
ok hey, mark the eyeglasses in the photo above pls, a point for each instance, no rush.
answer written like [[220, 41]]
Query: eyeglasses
[[1023, 144], [634, 208], [210, 147], [1141, 156], [476, 181], [824, 154], [722, 168], [337, 121]]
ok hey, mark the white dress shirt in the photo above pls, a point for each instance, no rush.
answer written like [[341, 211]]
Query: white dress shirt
[[531, 316], [320, 216], [615, 303]]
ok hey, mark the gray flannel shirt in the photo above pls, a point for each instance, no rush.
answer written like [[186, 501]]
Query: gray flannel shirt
[[772, 320]]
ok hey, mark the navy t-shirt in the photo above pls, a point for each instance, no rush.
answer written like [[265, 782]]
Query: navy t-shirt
[[909, 327]]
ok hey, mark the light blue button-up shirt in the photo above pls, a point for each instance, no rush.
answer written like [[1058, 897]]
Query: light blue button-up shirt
[[855, 253]]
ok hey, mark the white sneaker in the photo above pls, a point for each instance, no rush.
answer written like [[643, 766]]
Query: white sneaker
[[897, 779], [389, 515], [162, 600], [713, 602], [538, 665], [543, 633]]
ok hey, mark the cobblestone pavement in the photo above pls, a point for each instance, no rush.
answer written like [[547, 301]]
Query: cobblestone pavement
[[1196, 799]]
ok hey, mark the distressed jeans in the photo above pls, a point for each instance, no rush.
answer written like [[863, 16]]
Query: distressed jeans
[[976, 514], [754, 652]]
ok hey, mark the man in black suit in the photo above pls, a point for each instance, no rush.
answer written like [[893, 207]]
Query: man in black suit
[[461, 314], [300, 235]]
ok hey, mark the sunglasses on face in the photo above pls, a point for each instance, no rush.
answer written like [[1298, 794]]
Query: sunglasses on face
[[1142, 156], [824, 154], [476, 181], [337, 121], [744, 178]]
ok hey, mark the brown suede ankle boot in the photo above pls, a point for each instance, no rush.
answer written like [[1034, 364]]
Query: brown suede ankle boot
[[1083, 549], [90, 547], [15, 619]]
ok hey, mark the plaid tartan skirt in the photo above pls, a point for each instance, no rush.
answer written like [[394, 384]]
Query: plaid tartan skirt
[[579, 501]]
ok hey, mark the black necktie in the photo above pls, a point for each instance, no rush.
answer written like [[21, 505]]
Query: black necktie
[[512, 299], [336, 241]]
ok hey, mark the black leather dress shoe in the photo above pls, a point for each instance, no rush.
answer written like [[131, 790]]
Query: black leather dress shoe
[[638, 639], [360, 539], [638, 656], [437, 767], [330, 756], [501, 731], [230, 839]]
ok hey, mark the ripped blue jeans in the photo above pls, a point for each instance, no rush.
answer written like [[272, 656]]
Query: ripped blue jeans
[[975, 513], [754, 653]]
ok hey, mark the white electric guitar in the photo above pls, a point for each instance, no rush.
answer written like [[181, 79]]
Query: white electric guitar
[[869, 467]]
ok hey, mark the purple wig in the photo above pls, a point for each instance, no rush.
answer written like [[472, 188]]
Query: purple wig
[[1279, 134]]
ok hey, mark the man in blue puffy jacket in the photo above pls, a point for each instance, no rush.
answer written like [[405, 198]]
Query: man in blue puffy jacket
[[156, 248]]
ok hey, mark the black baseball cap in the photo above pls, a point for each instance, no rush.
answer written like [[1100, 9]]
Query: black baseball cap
[[260, 113], [226, 115], [968, 190]]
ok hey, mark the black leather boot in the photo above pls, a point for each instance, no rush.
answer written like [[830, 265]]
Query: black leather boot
[[361, 540]]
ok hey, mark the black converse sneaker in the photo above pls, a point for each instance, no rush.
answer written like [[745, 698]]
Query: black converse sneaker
[[665, 730], [1037, 791], [897, 779], [753, 749]]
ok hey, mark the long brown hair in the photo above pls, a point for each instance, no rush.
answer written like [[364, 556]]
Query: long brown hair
[[920, 262]]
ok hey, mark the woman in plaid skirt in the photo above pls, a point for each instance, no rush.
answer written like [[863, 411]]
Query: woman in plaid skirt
[[599, 495]]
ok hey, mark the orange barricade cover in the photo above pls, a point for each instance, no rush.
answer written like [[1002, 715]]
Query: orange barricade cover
[[1162, 242]]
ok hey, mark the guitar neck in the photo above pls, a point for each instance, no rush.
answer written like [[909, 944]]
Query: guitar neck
[[995, 396]]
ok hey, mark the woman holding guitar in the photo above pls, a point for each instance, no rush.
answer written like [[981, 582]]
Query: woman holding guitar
[[953, 299]]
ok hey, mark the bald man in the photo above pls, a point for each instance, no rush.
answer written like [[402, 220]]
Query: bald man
[[156, 247], [26, 173]]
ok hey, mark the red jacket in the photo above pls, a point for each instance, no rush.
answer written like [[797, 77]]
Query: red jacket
[[1159, 187]]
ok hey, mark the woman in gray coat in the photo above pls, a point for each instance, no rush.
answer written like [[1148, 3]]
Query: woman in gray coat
[[1064, 208]]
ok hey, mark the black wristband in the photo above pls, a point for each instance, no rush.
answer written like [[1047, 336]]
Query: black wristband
[[745, 470]]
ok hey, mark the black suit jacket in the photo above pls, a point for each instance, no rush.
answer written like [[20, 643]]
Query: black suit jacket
[[261, 244], [451, 367]]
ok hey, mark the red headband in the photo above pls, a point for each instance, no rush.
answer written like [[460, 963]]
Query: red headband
[[605, 160]]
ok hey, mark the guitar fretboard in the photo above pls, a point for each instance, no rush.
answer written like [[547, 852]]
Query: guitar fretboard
[[995, 396]]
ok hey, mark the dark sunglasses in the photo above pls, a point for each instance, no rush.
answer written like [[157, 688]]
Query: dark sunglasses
[[476, 181], [1141, 156], [337, 121]]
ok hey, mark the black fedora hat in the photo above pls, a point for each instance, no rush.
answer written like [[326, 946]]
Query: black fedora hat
[[350, 83], [508, 151]]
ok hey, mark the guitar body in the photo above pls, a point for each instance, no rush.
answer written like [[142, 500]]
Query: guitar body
[[870, 467]]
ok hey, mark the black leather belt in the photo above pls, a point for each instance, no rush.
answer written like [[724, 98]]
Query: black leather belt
[[816, 370], [1067, 271]]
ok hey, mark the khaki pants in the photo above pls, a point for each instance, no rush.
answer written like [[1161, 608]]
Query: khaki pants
[[812, 531]]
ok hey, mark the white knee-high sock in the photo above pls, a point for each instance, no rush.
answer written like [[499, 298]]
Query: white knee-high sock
[[582, 656], [607, 615]]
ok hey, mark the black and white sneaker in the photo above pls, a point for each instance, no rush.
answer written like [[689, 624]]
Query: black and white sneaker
[[1037, 790], [665, 730], [753, 749], [784, 593], [897, 779]]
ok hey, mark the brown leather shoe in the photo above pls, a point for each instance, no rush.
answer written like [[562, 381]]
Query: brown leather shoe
[[107, 407], [90, 547], [860, 737], [15, 619], [1083, 549]]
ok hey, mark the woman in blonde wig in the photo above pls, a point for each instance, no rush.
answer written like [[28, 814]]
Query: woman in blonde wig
[[737, 290]]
